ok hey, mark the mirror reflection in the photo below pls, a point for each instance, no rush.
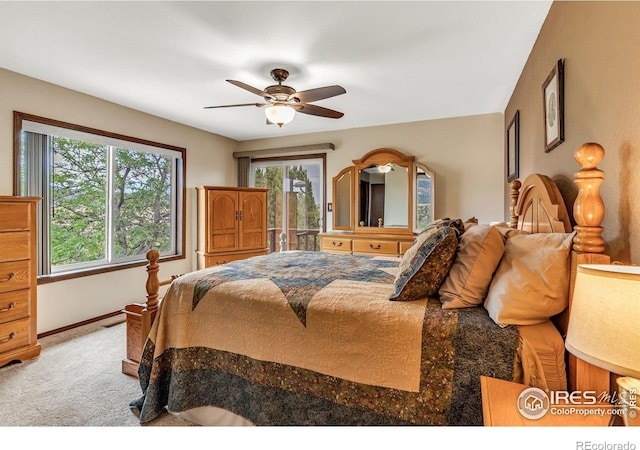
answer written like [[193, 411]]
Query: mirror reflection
[[424, 200], [383, 196]]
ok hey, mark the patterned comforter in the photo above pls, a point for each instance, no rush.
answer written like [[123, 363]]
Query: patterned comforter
[[308, 338]]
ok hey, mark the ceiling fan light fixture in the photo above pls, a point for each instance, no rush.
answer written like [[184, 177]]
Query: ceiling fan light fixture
[[280, 114], [385, 169]]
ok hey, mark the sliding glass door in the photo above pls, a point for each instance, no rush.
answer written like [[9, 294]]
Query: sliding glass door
[[295, 201]]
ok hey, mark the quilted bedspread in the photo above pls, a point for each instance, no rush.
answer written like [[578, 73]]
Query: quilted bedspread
[[308, 338]]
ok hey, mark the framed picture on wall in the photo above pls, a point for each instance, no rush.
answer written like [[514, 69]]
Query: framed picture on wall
[[553, 97], [513, 147]]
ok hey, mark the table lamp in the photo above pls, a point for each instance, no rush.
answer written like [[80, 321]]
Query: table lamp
[[604, 327]]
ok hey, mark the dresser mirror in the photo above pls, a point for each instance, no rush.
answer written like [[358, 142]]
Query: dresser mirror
[[383, 192], [424, 201], [343, 199], [383, 196]]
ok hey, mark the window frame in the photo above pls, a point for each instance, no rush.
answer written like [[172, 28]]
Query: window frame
[[180, 213]]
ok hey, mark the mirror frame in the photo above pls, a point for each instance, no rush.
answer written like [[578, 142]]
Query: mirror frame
[[351, 171], [382, 156]]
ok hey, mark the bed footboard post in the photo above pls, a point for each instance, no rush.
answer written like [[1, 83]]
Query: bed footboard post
[[588, 248], [139, 317], [153, 283]]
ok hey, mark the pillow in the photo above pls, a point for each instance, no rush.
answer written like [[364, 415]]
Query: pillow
[[531, 283], [425, 264], [470, 222], [507, 231], [479, 252], [456, 224]]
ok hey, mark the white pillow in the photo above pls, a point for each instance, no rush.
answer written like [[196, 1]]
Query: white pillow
[[479, 252], [531, 283]]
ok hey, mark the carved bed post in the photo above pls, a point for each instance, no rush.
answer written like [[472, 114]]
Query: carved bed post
[[588, 248], [153, 283], [515, 192], [140, 316], [588, 209]]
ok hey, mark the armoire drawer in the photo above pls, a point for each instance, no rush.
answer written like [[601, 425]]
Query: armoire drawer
[[15, 245], [14, 275], [14, 334], [15, 216], [14, 305]]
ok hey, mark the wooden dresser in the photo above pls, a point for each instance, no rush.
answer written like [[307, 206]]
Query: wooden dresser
[[232, 224], [18, 279], [381, 244]]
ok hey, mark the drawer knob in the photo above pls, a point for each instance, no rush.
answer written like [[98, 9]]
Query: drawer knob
[[9, 277], [339, 244], [11, 306], [7, 339], [377, 247]]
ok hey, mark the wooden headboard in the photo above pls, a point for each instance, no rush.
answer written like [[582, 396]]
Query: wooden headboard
[[537, 206]]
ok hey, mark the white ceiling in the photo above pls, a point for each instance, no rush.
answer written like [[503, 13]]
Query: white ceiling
[[398, 61]]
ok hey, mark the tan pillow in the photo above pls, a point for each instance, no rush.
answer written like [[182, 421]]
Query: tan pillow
[[479, 253], [507, 231], [531, 283]]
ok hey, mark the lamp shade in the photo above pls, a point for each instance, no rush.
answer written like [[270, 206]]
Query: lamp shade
[[604, 322], [280, 114]]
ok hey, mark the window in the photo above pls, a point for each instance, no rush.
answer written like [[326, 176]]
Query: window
[[107, 199]]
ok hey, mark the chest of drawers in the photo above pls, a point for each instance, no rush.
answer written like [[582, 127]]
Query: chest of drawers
[[18, 279]]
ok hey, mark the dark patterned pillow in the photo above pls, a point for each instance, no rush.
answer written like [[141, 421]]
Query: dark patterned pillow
[[456, 224], [425, 265]]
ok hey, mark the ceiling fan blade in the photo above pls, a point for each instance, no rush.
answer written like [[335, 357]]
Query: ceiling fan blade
[[313, 95], [315, 110], [239, 104], [251, 89]]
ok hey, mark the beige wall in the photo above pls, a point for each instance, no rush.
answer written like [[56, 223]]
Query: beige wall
[[209, 161], [464, 152], [599, 42]]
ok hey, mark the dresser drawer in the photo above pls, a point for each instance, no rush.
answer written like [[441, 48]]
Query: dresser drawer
[[15, 245], [14, 275], [377, 247], [404, 246], [14, 305], [15, 216], [14, 335], [334, 244]]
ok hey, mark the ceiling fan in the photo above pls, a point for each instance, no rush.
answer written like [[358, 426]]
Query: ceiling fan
[[283, 101]]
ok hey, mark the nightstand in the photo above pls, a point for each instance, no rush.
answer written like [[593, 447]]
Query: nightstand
[[499, 408]]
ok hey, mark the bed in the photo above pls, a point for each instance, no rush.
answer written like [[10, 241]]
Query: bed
[[309, 338]]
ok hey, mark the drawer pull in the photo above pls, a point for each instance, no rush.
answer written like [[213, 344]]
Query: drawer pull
[[7, 339], [11, 306], [339, 244], [9, 278], [377, 247]]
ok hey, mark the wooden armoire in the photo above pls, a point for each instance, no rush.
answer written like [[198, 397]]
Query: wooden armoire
[[232, 224]]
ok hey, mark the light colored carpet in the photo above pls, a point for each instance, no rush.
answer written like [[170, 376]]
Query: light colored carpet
[[76, 381]]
